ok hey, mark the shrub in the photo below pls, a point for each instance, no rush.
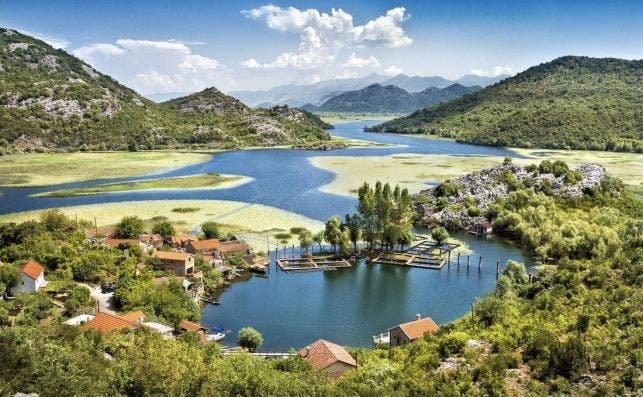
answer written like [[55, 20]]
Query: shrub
[[446, 189], [129, 227], [249, 338], [210, 229]]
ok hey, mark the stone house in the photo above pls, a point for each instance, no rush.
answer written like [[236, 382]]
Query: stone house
[[410, 332], [328, 357], [181, 263]]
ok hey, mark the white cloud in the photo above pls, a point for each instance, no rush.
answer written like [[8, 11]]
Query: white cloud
[[150, 66], [497, 70], [355, 62], [392, 70], [322, 36]]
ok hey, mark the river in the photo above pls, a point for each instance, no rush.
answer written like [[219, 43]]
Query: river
[[347, 306]]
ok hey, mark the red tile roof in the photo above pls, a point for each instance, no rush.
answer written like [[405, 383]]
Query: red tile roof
[[133, 317], [234, 247], [322, 354], [210, 244], [171, 255], [485, 224], [105, 322], [32, 269], [190, 326], [183, 239], [416, 329]]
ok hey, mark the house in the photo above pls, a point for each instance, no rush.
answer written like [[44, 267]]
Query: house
[[328, 357], [412, 331], [151, 241], [204, 247], [180, 262], [216, 263], [181, 241], [189, 326], [483, 228], [232, 247], [424, 210], [32, 277], [121, 242], [105, 322], [100, 232]]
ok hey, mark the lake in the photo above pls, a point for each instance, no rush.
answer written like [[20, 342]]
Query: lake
[[346, 306]]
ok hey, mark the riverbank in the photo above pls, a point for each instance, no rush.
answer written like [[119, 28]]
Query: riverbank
[[44, 169], [252, 222], [199, 181]]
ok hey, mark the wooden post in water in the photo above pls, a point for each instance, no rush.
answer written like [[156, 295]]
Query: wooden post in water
[[468, 259], [449, 258], [497, 269], [479, 262], [458, 260]]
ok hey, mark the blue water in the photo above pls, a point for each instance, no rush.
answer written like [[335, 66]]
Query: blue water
[[346, 306]]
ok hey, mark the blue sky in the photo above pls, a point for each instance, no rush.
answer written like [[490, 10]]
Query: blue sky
[[157, 47]]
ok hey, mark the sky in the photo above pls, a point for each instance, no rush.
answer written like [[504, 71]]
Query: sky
[[160, 47]]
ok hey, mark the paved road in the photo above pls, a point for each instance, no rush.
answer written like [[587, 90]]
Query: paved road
[[105, 301]]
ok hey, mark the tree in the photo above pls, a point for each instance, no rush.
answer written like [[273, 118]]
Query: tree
[[210, 229], [9, 277], [79, 297], [129, 227], [318, 238], [439, 234], [333, 231], [354, 225], [305, 239], [164, 229], [249, 338]]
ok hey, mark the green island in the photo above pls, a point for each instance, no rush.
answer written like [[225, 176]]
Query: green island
[[200, 181]]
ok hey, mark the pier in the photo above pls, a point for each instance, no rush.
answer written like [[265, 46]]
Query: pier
[[312, 264]]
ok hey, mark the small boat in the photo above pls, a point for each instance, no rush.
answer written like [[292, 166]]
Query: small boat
[[218, 329], [215, 337], [215, 302]]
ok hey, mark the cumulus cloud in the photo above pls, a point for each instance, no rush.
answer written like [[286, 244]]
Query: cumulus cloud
[[322, 36], [392, 70], [356, 62], [497, 70], [152, 66]]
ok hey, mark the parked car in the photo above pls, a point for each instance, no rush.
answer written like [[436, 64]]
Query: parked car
[[107, 288]]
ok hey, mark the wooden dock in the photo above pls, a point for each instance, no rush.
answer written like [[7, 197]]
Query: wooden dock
[[311, 264], [425, 254]]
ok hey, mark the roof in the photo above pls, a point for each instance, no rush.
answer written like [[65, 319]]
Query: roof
[[133, 316], [417, 328], [32, 269], [210, 244], [78, 320], [322, 354], [158, 327], [171, 255], [107, 231], [190, 326], [234, 247], [486, 224], [180, 240], [105, 322]]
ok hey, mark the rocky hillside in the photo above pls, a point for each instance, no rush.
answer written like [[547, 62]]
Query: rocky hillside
[[570, 102], [465, 201], [389, 99], [52, 101]]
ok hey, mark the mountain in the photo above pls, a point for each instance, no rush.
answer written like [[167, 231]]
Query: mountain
[[389, 99], [298, 95], [417, 83], [50, 100], [482, 81], [571, 102]]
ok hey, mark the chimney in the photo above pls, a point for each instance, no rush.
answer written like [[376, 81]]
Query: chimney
[[418, 317]]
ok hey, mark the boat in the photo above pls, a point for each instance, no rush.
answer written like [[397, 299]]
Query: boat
[[215, 337], [215, 302], [211, 301]]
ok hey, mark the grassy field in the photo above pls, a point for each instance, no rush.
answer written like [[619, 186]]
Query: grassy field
[[199, 181], [411, 171], [40, 169], [252, 222]]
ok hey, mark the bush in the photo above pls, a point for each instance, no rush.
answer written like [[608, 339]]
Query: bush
[[446, 189], [452, 344], [129, 227], [439, 234], [249, 338], [164, 229], [210, 229]]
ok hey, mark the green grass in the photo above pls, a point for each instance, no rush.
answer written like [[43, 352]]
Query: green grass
[[200, 181], [45, 169]]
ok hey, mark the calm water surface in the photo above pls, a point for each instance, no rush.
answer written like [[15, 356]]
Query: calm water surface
[[346, 306]]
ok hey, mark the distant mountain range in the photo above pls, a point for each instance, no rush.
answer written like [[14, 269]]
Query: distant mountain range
[[318, 93], [53, 101], [377, 98], [571, 102]]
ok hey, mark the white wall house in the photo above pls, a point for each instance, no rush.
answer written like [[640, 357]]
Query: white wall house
[[32, 278]]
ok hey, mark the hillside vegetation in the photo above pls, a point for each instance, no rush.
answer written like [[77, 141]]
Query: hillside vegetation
[[568, 103], [52, 101], [389, 99]]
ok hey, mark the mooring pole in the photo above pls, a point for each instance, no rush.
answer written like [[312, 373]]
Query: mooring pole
[[497, 269], [458, 260], [449, 258], [468, 259], [479, 262]]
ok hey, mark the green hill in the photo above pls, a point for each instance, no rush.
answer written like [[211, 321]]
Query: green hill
[[389, 99], [570, 102], [52, 101]]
